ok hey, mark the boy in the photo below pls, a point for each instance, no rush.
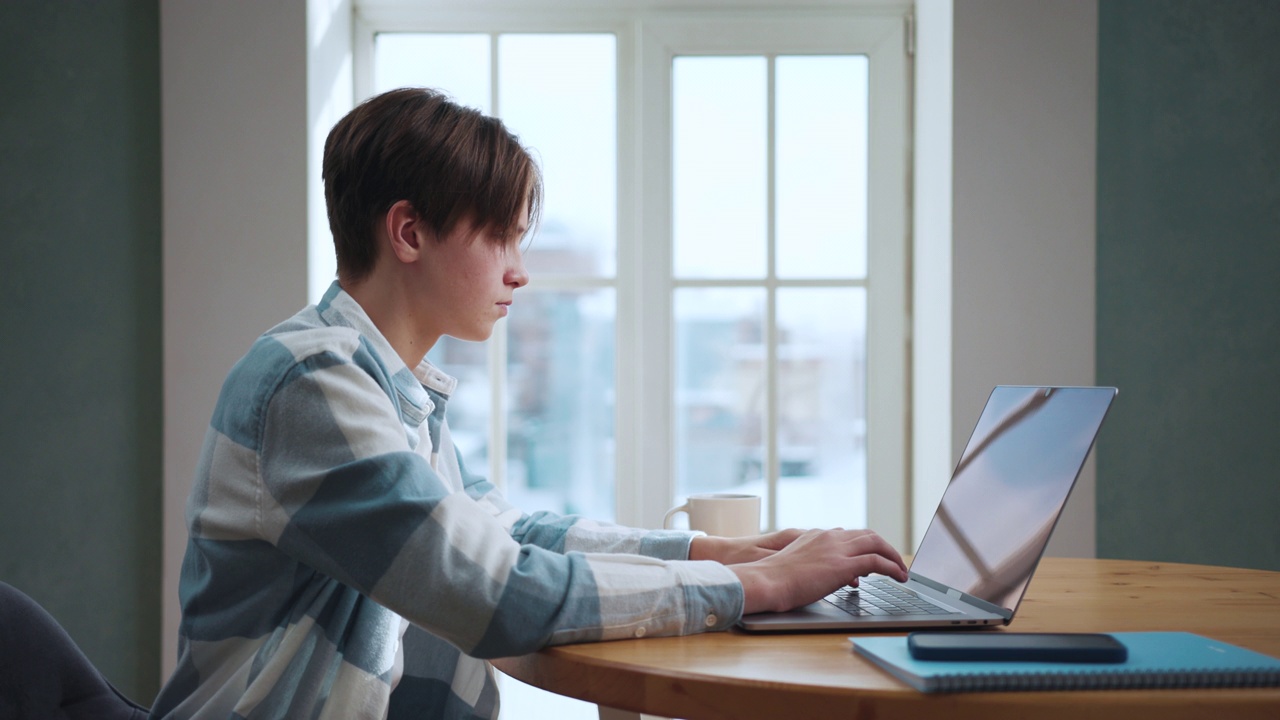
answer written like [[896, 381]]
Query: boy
[[342, 562]]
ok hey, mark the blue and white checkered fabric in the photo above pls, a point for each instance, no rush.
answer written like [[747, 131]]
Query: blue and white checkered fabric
[[342, 563]]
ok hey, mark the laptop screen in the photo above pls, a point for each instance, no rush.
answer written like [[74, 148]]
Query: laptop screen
[[1008, 489]]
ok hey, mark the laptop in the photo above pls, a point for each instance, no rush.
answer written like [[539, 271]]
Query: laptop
[[990, 529]]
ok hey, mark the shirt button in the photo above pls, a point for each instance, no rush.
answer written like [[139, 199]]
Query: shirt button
[[640, 632], [711, 620]]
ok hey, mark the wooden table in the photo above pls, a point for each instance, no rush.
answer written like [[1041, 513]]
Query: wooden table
[[738, 675]]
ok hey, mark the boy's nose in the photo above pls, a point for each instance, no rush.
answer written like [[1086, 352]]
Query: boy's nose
[[517, 276]]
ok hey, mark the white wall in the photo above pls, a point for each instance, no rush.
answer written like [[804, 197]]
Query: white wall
[[1023, 216], [234, 110]]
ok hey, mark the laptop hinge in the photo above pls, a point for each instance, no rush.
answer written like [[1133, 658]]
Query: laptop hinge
[[953, 593]]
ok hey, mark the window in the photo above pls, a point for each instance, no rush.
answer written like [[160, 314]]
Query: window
[[770, 262], [718, 293]]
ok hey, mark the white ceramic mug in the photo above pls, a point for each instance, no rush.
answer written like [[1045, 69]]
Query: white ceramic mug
[[723, 514]]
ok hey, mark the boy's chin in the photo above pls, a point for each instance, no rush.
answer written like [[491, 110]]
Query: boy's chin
[[476, 336]]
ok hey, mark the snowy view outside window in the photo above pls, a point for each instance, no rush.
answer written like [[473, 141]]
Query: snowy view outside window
[[772, 275]]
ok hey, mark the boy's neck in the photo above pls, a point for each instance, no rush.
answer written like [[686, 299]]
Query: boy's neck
[[391, 308]]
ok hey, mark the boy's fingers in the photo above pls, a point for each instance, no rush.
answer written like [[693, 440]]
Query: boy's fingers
[[873, 543], [878, 564]]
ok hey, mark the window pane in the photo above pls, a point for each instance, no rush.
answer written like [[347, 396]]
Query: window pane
[[719, 197], [822, 413], [468, 409], [560, 368], [559, 94], [822, 166], [720, 388], [456, 64]]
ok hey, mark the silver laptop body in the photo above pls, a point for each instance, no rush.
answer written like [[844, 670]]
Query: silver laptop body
[[991, 527]]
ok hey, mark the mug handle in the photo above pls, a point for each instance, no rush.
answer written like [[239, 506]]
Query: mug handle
[[666, 521]]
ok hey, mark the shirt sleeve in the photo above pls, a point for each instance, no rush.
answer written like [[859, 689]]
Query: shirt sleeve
[[345, 494]]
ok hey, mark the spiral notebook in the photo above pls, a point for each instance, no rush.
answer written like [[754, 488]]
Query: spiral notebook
[[1156, 660]]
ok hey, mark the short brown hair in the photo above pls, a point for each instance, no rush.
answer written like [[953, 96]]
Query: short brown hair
[[451, 162]]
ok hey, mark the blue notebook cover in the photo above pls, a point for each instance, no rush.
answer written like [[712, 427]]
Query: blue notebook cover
[[1156, 660]]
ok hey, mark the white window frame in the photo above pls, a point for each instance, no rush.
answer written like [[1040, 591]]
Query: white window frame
[[881, 35], [647, 40]]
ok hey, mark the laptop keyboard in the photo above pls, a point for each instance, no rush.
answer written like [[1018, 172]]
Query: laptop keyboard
[[879, 597]]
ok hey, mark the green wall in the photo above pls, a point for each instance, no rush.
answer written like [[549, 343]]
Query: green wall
[[1189, 280], [80, 325]]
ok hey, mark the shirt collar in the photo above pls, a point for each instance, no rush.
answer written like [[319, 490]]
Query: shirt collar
[[337, 307]]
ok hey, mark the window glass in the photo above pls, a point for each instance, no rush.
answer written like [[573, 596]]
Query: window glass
[[822, 407], [725, 419], [469, 408], [455, 63], [720, 389], [560, 402], [719, 155], [821, 146], [559, 94]]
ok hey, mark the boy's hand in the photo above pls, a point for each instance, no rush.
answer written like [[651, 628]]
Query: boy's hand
[[812, 565], [732, 551]]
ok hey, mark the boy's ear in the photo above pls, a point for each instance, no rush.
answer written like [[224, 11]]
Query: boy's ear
[[405, 231]]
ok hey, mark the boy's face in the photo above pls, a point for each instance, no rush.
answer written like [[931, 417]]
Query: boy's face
[[468, 279]]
